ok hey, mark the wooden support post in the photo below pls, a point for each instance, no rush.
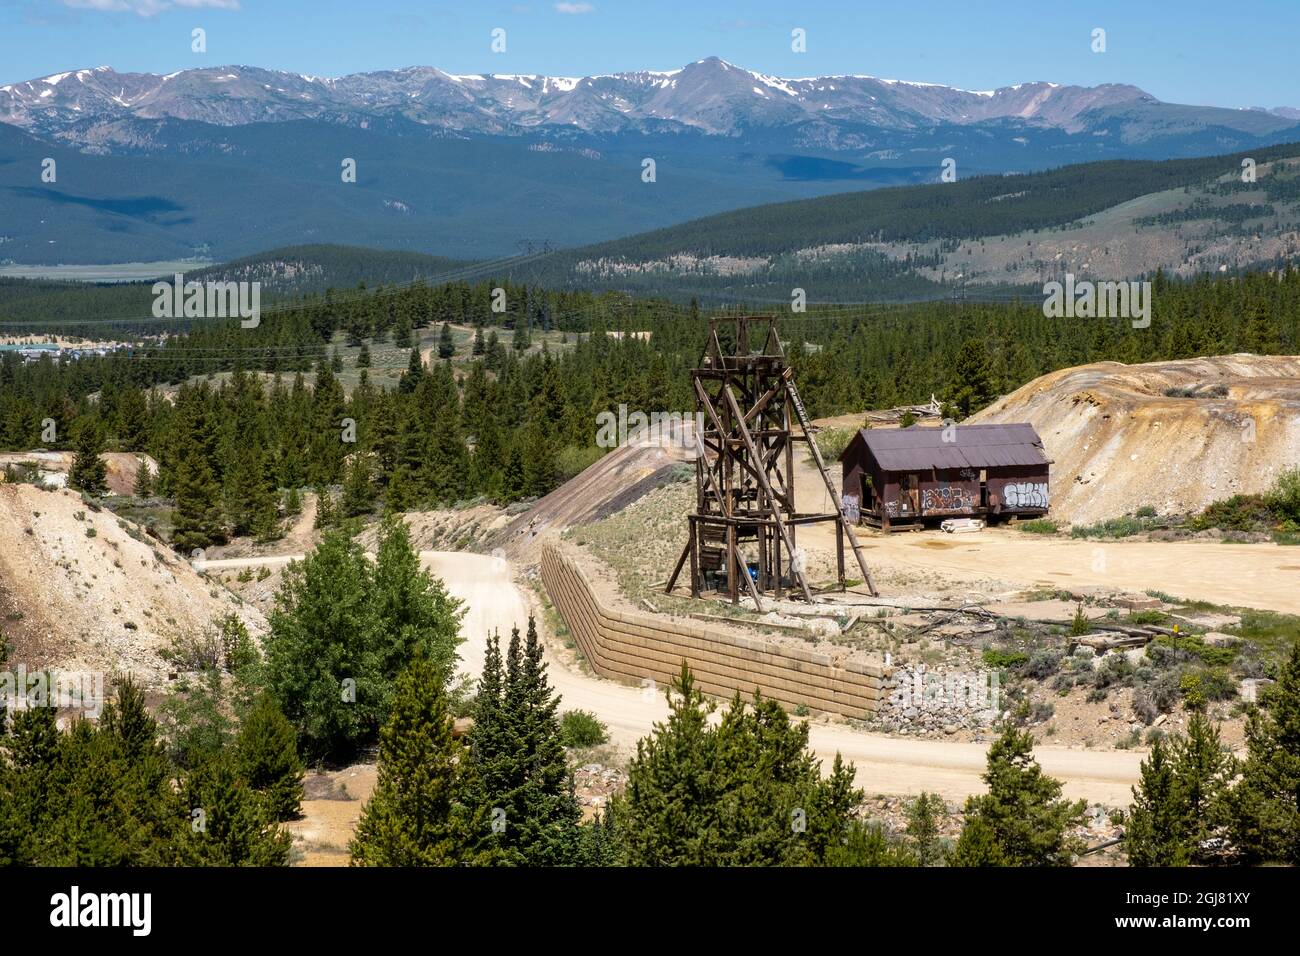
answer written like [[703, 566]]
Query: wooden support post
[[761, 475], [839, 552]]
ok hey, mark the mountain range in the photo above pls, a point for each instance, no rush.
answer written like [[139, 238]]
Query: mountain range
[[710, 96], [228, 161]]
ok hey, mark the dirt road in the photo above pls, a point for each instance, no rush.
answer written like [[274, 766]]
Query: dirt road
[[1240, 575], [884, 764]]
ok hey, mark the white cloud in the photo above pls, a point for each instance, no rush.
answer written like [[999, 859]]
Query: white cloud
[[574, 8], [149, 8]]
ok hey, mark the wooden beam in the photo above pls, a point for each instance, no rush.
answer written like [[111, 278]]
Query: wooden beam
[[767, 487]]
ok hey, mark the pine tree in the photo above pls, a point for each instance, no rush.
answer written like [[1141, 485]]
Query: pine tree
[[358, 490], [196, 521], [336, 360], [1156, 834], [413, 375], [977, 846], [973, 372], [923, 827], [251, 500], [1264, 806], [88, 472], [266, 755], [1022, 809], [402, 333], [1200, 768], [522, 340], [446, 344], [520, 758], [422, 811], [229, 825], [745, 793], [363, 356], [143, 479], [478, 347]]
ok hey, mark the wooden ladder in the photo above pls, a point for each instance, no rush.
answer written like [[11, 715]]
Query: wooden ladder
[[802, 414]]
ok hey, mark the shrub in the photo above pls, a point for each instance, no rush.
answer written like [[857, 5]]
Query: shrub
[[1146, 511], [1285, 494], [1157, 697], [1003, 659], [831, 442], [1191, 647], [1206, 684], [1039, 526], [1114, 669], [578, 728], [1043, 664], [574, 459]]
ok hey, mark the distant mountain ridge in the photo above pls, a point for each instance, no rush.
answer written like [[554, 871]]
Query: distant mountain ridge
[[223, 162], [710, 96]]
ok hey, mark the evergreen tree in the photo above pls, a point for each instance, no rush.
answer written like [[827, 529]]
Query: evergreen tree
[[358, 489], [977, 846], [402, 333], [1264, 806], [143, 479], [1022, 810], [522, 340], [267, 760], [923, 827], [229, 825], [88, 472], [1156, 832], [745, 793], [865, 844], [1200, 768], [413, 375], [446, 344], [520, 758], [479, 347], [196, 521], [422, 811], [251, 498], [973, 373], [363, 356], [110, 800]]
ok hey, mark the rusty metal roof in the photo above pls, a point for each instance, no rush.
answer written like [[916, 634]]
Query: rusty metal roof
[[970, 446]]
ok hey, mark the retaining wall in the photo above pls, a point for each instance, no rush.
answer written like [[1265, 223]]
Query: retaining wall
[[631, 645]]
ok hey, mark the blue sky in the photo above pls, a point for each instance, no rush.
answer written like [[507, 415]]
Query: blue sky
[[1193, 51]]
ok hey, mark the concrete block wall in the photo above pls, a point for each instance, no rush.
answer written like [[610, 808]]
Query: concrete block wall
[[631, 645]]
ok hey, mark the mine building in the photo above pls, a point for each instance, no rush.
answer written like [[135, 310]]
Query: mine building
[[896, 478]]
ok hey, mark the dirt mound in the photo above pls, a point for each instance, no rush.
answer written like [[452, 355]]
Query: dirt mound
[[120, 467], [85, 590], [1172, 435], [621, 477]]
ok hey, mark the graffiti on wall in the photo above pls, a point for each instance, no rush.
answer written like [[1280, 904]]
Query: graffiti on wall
[[1025, 494], [852, 509], [947, 498]]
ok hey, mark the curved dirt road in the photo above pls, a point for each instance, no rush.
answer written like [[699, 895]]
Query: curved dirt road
[[891, 765]]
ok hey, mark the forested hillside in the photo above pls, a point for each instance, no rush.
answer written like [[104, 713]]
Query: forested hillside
[[507, 422]]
